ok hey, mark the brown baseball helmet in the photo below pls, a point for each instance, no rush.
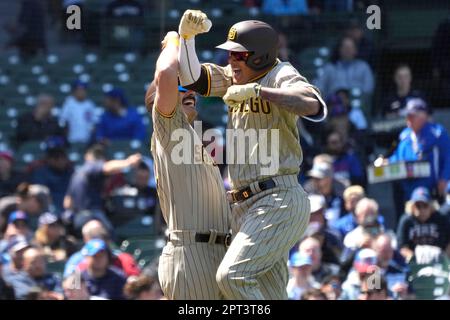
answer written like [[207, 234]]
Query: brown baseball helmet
[[256, 37]]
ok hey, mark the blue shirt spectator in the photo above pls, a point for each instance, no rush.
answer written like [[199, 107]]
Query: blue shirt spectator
[[285, 7], [348, 223], [102, 279], [86, 185], [424, 141], [55, 174], [346, 165], [120, 122], [345, 71]]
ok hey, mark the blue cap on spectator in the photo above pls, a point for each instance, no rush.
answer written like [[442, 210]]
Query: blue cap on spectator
[[94, 246], [47, 218], [117, 93], [420, 194], [17, 215], [299, 260], [79, 84], [181, 89], [416, 105]]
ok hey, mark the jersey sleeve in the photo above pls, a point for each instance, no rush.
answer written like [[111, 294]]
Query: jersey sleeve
[[165, 125], [289, 77]]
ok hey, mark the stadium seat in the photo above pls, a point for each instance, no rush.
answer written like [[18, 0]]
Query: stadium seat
[[138, 227]]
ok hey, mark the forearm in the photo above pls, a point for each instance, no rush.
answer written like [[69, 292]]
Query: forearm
[[115, 166], [300, 101], [190, 69], [167, 63]]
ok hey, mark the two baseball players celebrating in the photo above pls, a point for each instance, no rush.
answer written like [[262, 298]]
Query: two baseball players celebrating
[[268, 213]]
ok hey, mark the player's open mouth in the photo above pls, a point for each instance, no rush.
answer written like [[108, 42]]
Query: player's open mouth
[[188, 101]]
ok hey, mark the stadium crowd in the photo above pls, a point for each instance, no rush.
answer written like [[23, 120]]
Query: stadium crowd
[[58, 216]]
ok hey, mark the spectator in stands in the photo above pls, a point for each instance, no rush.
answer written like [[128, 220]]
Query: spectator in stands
[[14, 268], [9, 178], [395, 103], [142, 287], [18, 225], [423, 226], [85, 187], [347, 223], [32, 199], [52, 238], [32, 274], [331, 243], [365, 264], [119, 122], [424, 140], [440, 51], [285, 7], [313, 294], [366, 214], [38, 124], [346, 71], [373, 291], [94, 229], [124, 8], [346, 165], [35, 268], [15, 247], [392, 265], [302, 279], [332, 287], [78, 114], [54, 173], [350, 122], [311, 247], [364, 45], [144, 196], [28, 33], [323, 182], [6, 291], [102, 278]]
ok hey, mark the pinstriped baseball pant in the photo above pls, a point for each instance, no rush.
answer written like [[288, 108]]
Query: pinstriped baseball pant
[[187, 270], [266, 226]]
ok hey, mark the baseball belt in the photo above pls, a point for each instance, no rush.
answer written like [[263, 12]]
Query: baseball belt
[[207, 237], [246, 193]]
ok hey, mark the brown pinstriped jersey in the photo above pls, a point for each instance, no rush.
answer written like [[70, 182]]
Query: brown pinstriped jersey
[[192, 196], [259, 114]]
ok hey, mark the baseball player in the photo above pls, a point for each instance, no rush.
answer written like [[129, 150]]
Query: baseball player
[[270, 212], [191, 194]]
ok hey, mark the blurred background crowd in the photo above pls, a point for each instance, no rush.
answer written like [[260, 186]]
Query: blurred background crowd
[[79, 213]]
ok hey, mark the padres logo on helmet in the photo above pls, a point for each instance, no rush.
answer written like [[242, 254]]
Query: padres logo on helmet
[[232, 34], [256, 37]]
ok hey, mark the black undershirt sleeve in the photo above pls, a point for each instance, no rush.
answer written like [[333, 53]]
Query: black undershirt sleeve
[[201, 85]]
